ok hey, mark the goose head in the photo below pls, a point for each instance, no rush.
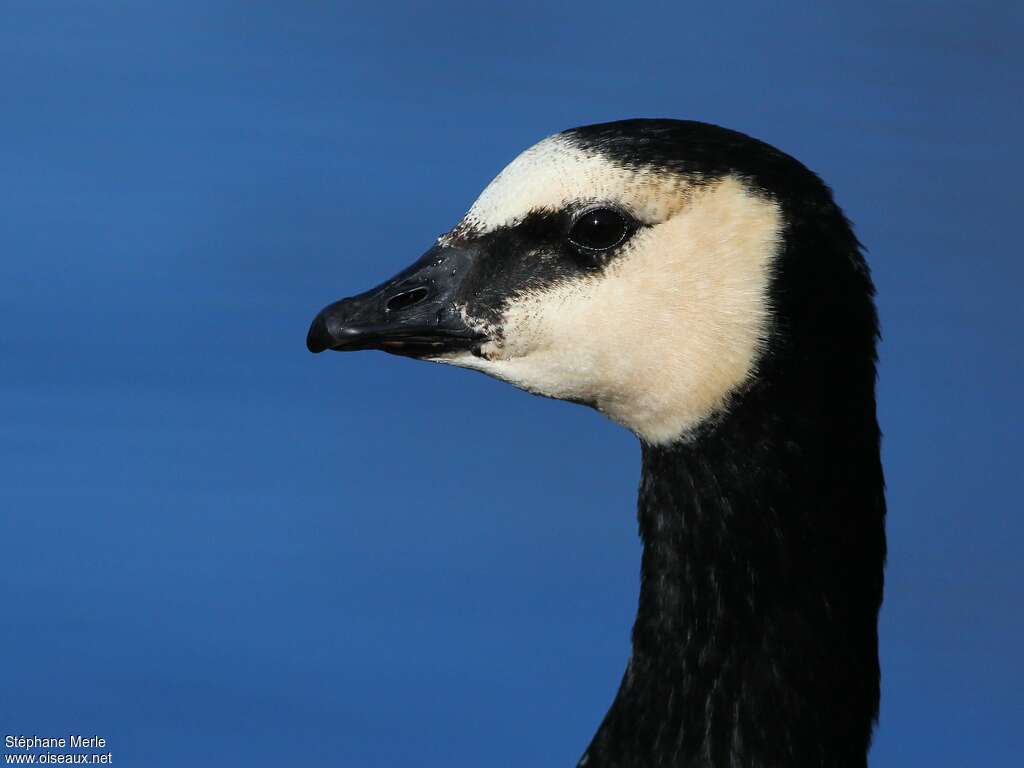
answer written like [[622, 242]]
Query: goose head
[[626, 266]]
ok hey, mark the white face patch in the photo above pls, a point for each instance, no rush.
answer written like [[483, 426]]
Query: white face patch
[[673, 326], [554, 173]]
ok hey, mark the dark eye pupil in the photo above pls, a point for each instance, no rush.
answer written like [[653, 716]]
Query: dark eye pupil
[[599, 229]]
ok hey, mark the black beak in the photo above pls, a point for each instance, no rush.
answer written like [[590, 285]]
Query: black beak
[[412, 314]]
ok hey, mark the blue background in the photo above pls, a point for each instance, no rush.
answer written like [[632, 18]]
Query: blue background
[[220, 550]]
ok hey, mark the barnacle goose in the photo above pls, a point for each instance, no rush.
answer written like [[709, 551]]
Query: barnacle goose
[[702, 289]]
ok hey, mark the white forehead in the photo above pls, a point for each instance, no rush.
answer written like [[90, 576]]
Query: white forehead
[[555, 173]]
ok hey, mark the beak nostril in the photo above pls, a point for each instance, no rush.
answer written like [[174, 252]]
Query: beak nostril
[[406, 299]]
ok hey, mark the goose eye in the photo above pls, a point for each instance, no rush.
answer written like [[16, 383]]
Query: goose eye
[[599, 229]]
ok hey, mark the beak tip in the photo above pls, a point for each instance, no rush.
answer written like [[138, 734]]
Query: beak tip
[[318, 339]]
